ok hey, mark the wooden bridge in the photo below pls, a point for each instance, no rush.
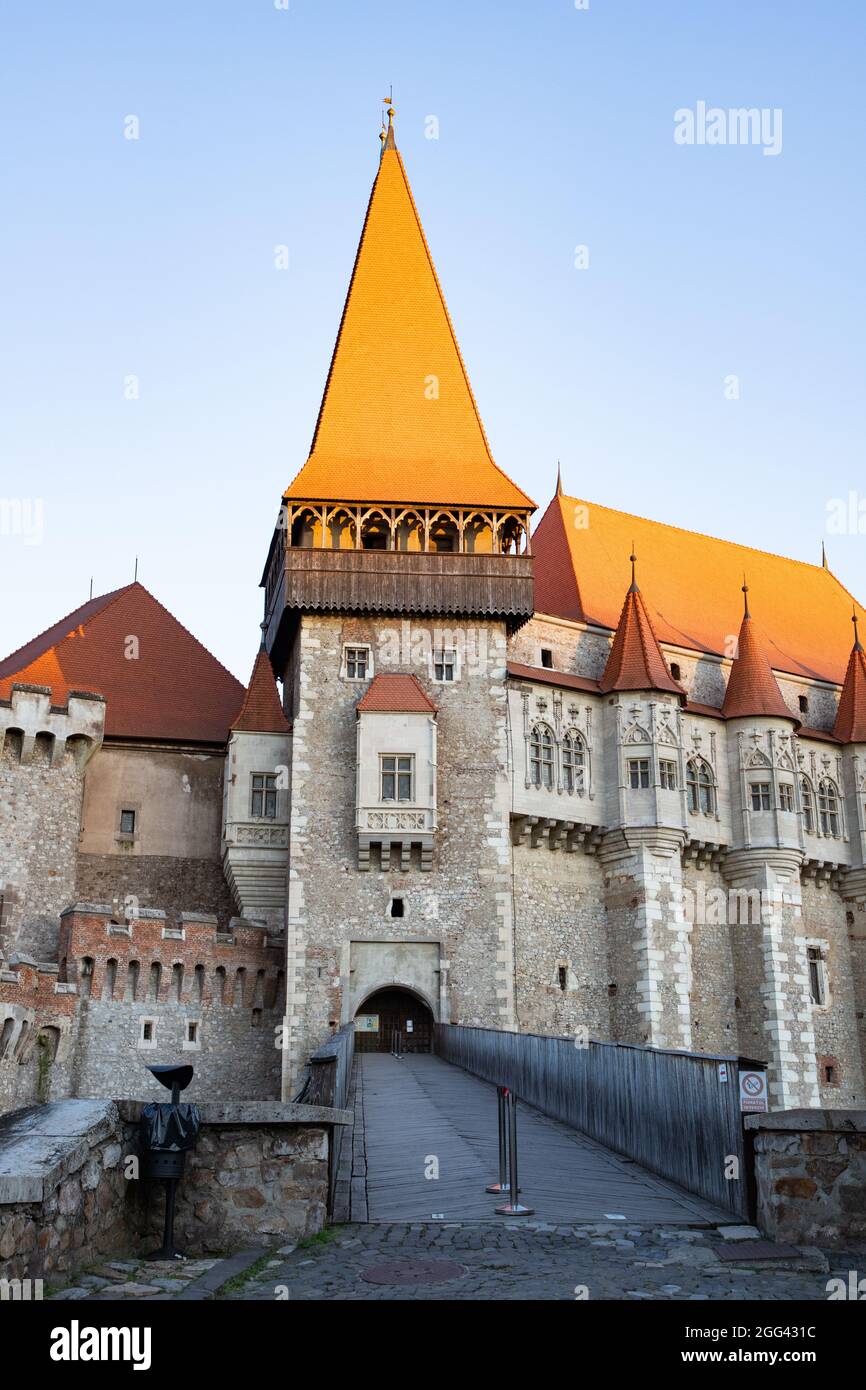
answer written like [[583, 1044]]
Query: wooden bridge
[[418, 1115]]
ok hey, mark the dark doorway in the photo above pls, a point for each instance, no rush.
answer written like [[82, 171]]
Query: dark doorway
[[395, 1011]]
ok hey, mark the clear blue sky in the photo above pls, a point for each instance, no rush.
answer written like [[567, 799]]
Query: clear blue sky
[[258, 126]]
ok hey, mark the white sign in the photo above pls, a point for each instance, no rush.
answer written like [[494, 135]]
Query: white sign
[[723, 1071], [753, 1090], [367, 1023], [409, 1025]]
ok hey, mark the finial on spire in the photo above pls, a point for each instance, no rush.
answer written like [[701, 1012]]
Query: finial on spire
[[824, 564], [633, 559], [746, 613], [558, 479], [387, 136], [264, 628], [855, 620]]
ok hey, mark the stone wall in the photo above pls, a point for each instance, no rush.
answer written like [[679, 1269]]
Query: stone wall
[[810, 1171], [171, 883], [37, 1016]]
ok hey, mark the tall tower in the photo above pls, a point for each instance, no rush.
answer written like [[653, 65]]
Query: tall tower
[[400, 563]]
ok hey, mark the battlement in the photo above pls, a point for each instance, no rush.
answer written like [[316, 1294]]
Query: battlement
[[29, 721], [138, 958]]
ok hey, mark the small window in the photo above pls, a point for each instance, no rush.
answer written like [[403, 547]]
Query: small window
[[547, 658], [786, 796], [668, 775], [192, 1032], [396, 907], [808, 801], [760, 796], [356, 663], [817, 975], [675, 670], [127, 822], [396, 777], [444, 664], [638, 772], [829, 1074], [263, 799], [803, 701], [563, 977]]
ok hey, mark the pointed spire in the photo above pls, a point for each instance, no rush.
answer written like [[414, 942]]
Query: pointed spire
[[824, 564], [558, 479], [389, 143], [261, 711], [752, 687], [850, 725], [635, 661]]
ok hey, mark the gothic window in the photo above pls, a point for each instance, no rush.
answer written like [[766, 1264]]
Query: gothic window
[[760, 796], [828, 806], [668, 774], [817, 975], [541, 747], [786, 796], [638, 772], [808, 799], [396, 777], [573, 763], [263, 800], [444, 664], [356, 663], [700, 787]]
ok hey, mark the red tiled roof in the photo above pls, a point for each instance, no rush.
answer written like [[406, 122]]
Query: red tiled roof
[[691, 584], [172, 688], [635, 661], [546, 676], [752, 688], [850, 726], [395, 694], [262, 711]]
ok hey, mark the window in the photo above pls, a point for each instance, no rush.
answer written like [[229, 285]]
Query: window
[[573, 763], [828, 806], [396, 777], [192, 1032], [541, 756], [786, 796], [263, 801], [668, 775], [760, 796], [803, 701], [817, 975], [638, 772], [127, 822], [397, 907], [700, 786], [675, 670], [808, 800], [356, 662], [547, 658], [444, 664], [147, 1033], [562, 974]]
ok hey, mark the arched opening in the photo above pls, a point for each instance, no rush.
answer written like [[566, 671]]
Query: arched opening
[[391, 1012]]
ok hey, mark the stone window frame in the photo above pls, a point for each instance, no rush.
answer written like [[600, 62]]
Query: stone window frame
[[344, 662], [762, 794], [701, 787], [144, 1044], [574, 760], [450, 658], [191, 1044], [264, 791], [808, 803], [829, 809], [786, 795], [668, 778], [542, 740], [822, 946], [397, 773], [636, 770], [125, 837]]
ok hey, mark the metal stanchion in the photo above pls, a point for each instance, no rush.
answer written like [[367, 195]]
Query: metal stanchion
[[503, 1186], [514, 1207]]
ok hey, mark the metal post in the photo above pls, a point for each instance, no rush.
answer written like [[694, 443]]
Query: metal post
[[513, 1207], [502, 1106]]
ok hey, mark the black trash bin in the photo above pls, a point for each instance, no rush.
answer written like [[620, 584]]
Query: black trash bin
[[167, 1132]]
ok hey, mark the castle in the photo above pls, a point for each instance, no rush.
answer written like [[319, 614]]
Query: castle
[[515, 778]]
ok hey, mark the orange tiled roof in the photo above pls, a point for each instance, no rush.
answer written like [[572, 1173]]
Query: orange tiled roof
[[262, 711], [395, 694], [381, 436], [635, 660], [752, 688], [850, 724], [172, 689], [692, 583]]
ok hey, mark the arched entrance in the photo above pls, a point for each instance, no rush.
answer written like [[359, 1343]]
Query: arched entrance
[[388, 1012]]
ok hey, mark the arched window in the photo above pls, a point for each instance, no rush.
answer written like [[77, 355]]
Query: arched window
[[828, 806], [573, 763], [541, 756], [700, 787], [807, 797]]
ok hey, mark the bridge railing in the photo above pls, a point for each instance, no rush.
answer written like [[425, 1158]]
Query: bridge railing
[[328, 1084], [671, 1111]]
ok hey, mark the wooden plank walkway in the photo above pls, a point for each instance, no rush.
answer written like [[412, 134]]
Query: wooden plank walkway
[[420, 1106]]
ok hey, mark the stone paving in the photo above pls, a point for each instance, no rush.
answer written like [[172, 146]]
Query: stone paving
[[526, 1261]]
